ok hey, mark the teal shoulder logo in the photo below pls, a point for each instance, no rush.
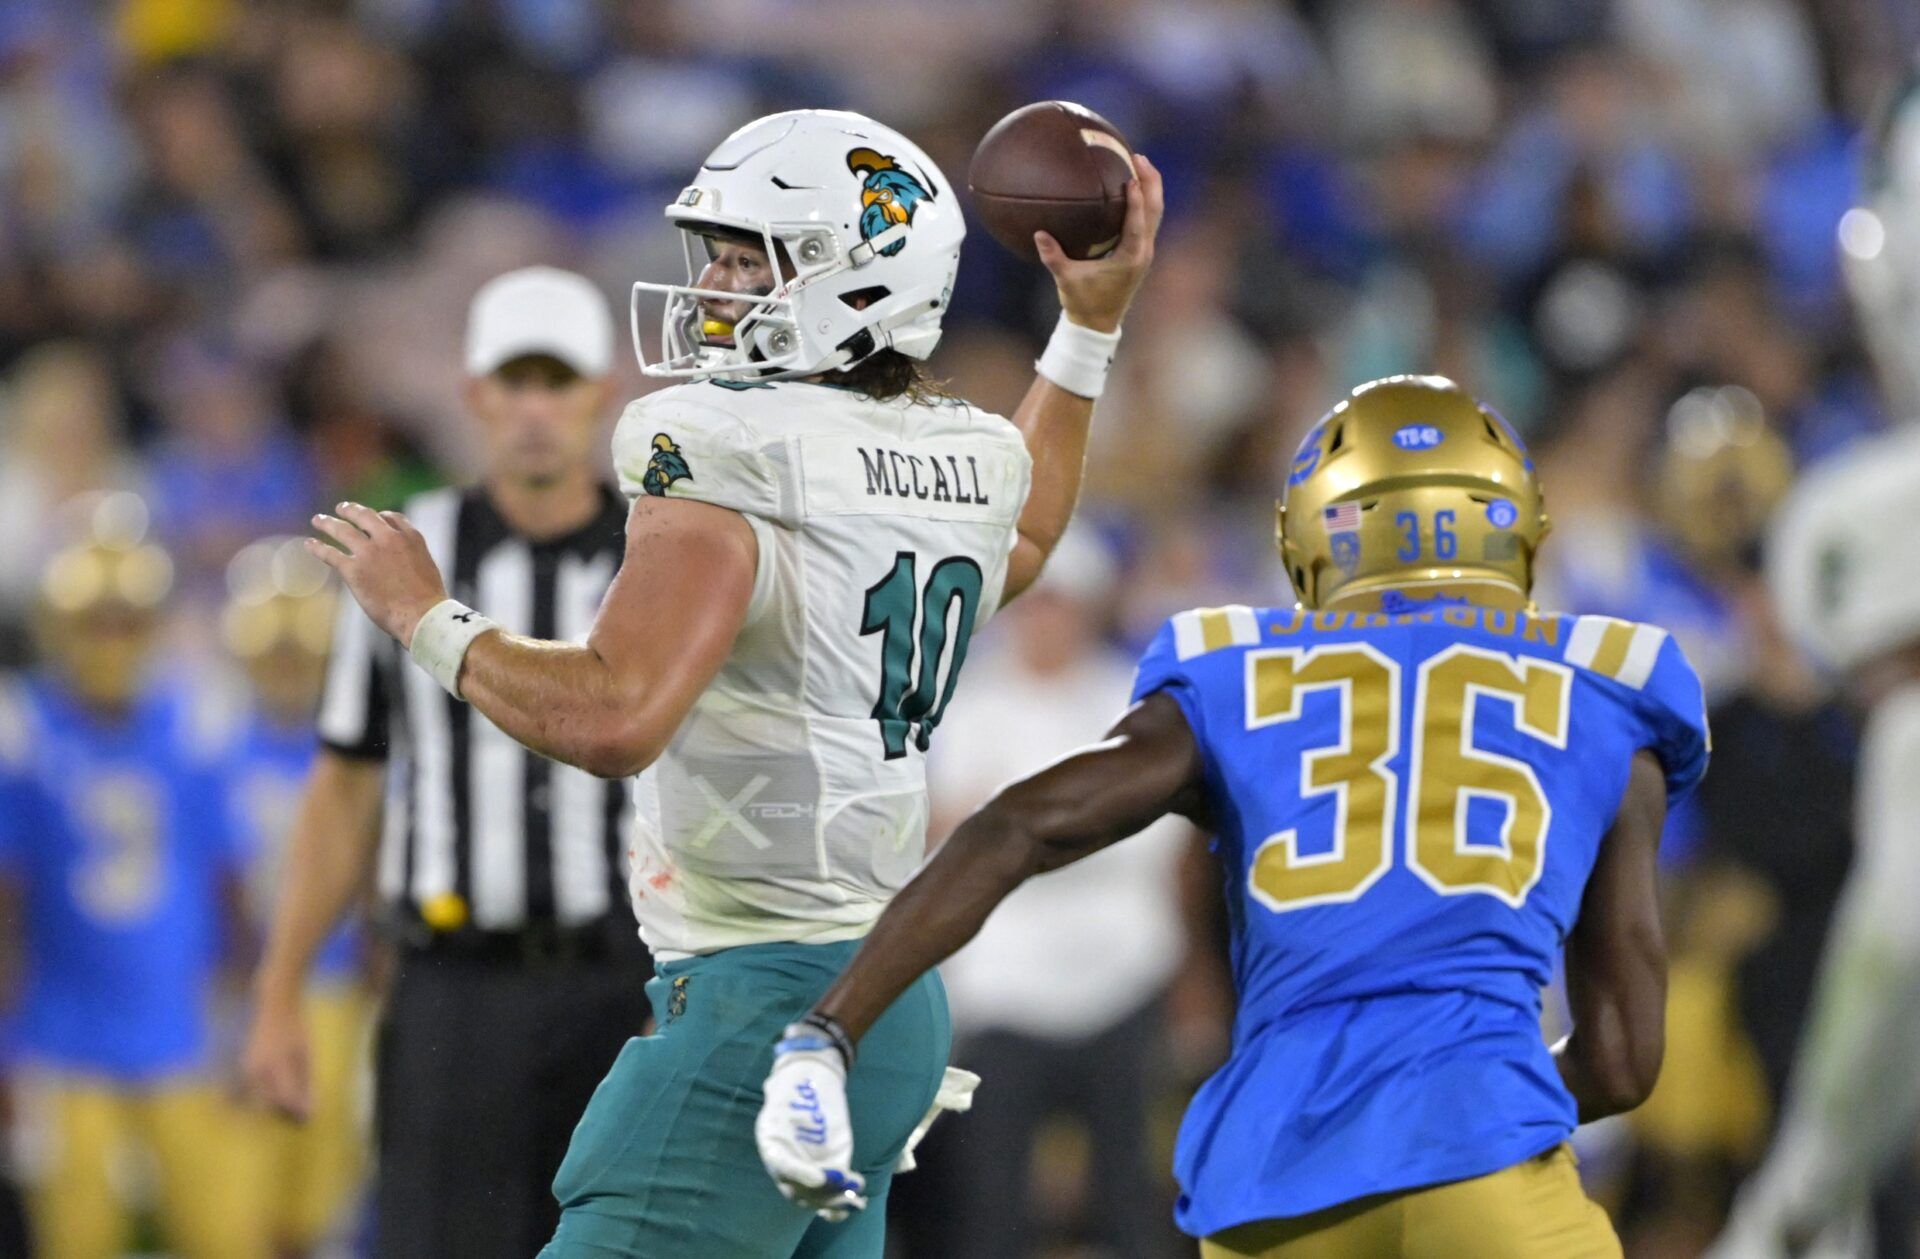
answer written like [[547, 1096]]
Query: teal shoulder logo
[[665, 467], [888, 195]]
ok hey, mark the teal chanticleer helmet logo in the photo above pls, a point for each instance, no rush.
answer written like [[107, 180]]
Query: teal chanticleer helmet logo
[[889, 194], [665, 466]]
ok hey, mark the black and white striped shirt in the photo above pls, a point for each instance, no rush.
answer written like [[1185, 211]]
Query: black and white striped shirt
[[470, 813]]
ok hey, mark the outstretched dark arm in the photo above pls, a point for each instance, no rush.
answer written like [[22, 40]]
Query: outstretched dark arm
[[1617, 959], [1146, 767]]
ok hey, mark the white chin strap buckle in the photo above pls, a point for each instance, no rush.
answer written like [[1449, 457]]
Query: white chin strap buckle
[[867, 250]]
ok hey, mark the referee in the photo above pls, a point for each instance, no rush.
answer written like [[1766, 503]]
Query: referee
[[497, 871]]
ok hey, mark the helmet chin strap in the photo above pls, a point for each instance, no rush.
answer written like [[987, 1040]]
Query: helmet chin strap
[[867, 250], [863, 344], [770, 332]]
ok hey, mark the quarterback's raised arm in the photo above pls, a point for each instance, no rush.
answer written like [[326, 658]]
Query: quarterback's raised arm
[[1058, 409], [608, 705]]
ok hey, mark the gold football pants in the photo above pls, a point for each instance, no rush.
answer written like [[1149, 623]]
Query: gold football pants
[[302, 1177], [88, 1128], [1533, 1210]]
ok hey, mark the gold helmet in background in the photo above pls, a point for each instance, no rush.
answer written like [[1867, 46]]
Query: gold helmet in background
[[97, 617], [1410, 483], [278, 622], [1723, 469]]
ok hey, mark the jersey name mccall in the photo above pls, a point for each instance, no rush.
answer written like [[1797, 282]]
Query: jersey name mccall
[[898, 473]]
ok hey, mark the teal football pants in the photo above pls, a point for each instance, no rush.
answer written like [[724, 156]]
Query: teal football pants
[[663, 1163]]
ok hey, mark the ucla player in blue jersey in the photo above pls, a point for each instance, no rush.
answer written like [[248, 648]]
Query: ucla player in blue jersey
[[1421, 791], [121, 885], [278, 624]]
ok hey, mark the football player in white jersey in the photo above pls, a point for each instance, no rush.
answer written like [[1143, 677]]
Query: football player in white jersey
[[1846, 578], [816, 531]]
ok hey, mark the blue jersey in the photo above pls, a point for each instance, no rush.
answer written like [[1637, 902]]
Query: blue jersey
[[265, 775], [117, 837], [1407, 809]]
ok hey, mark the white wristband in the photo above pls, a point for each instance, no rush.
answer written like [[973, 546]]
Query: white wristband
[[441, 639], [1077, 359]]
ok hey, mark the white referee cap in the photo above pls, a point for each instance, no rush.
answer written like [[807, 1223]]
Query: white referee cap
[[539, 310], [1843, 559]]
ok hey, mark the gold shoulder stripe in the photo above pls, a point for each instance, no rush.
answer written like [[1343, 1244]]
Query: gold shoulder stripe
[[1215, 632], [1621, 650], [1197, 632], [1612, 651]]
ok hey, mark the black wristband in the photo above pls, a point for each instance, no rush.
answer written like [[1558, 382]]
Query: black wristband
[[829, 1027]]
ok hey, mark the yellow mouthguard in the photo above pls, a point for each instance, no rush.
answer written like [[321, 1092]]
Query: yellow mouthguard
[[715, 328]]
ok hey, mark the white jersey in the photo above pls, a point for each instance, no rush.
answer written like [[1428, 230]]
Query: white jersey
[[1849, 1113], [792, 802]]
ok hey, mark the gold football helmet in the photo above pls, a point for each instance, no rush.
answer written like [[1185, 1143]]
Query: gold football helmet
[[1722, 472], [1410, 485], [97, 618], [278, 623]]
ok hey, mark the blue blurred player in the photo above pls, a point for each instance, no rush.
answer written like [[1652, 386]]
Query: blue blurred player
[[277, 624], [117, 876], [1420, 789]]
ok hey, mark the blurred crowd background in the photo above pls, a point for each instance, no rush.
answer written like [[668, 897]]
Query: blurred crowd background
[[238, 239]]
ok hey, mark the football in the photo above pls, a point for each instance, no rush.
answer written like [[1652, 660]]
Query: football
[[1055, 167]]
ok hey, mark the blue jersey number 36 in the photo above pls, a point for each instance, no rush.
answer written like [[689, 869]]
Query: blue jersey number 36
[[1445, 771]]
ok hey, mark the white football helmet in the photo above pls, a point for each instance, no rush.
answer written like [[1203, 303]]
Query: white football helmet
[[847, 208], [1840, 559], [1880, 249]]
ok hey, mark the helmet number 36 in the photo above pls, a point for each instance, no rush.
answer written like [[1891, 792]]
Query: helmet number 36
[[920, 651], [1446, 545], [1445, 772]]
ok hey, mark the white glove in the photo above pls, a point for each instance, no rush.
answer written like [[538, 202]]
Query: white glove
[[956, 1094], [1749, 1234], [1762, 1224], [804, 1133]]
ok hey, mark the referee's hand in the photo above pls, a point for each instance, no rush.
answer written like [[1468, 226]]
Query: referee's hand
[[275, 1067]]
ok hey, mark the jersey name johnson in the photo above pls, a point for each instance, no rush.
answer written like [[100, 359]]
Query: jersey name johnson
[[1409, 807]]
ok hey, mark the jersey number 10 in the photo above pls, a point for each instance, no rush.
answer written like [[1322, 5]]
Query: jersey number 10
[[910, 705], [1446, 770]]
